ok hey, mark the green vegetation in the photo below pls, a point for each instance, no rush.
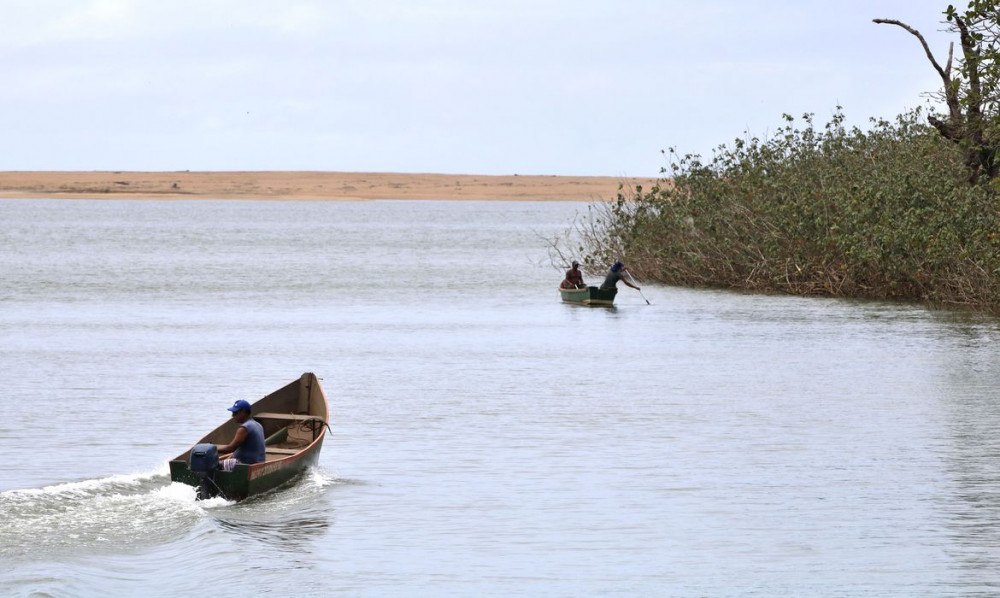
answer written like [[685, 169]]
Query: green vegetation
[[903, 210], [884, 213]]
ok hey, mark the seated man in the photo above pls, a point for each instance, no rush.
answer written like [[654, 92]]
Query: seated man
[[574, 277], [248, 444]]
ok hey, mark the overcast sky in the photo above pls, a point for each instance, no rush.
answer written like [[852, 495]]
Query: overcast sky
[[574, 87]]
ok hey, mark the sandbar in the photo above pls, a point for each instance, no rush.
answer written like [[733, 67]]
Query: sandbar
[[307, 185]]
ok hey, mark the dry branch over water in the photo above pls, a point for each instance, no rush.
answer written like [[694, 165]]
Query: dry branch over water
[[304, 186]]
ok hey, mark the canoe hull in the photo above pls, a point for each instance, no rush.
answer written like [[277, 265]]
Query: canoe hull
[[295, 423], [247, 480], [593, 296]]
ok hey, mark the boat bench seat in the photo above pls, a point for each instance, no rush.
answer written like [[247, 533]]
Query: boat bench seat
[[288, 416], [281, 451], [311, 425]]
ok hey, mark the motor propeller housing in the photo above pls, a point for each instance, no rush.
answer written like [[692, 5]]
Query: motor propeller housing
[[204, 462]]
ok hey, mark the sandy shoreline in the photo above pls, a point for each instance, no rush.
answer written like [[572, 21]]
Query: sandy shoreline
[[342, 186]]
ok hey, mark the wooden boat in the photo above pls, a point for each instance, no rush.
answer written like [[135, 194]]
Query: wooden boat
[[295, 420], [589, 296]]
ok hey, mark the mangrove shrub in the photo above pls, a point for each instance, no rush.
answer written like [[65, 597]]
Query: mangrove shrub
[[882, 213]]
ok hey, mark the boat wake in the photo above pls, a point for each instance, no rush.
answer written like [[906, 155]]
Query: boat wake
[[123, 512], [84, 487], [90, 514]]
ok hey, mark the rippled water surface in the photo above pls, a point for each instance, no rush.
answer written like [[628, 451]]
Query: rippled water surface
[[487, 438]]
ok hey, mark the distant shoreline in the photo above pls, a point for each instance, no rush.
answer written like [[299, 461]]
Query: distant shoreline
[[306, 185]]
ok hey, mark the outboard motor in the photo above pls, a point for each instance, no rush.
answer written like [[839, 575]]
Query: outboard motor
[[204, 462]]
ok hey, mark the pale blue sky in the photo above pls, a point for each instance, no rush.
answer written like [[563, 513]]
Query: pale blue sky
[[493, 87]]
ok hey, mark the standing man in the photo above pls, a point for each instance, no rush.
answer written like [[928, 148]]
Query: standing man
[[574, 277], [248, 444], [616, 273]]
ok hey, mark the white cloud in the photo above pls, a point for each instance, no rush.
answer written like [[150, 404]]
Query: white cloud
[[545, 86], [95, 20]]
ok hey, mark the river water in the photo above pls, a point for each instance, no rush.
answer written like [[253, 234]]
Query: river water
[[487, 439]]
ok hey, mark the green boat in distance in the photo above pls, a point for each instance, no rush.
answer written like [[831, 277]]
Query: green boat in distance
[[589, 296], [295, 420]]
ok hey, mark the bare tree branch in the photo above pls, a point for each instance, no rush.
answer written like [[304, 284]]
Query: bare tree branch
[[954, 127], [966, 128], [945, 74]]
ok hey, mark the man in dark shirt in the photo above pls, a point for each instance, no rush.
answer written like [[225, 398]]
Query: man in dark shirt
[[248, 443], [616, 273]]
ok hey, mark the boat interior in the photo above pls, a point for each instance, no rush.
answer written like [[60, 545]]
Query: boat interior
[[286, 433], [292, 417]]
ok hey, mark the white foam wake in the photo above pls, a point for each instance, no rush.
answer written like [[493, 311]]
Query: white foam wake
[[93, 486]]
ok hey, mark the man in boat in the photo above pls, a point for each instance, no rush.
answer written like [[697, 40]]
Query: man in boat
[[248, 444], [616, 273], [574, 277]]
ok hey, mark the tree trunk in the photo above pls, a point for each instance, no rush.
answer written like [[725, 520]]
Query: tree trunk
[[965, 125]]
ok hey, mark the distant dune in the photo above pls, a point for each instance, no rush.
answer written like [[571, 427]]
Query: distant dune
[[306, 185]]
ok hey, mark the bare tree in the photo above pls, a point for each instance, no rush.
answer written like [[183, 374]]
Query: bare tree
[[970, 92]]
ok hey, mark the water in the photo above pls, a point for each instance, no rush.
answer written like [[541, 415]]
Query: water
[[487, 438]]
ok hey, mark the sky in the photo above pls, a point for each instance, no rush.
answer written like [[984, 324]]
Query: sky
[[554, 87]]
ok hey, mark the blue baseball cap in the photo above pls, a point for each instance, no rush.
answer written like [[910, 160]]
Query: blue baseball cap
[[240, 405]]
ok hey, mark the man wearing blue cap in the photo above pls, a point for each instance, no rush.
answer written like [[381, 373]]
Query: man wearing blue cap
[[248, 444], [616, 273]]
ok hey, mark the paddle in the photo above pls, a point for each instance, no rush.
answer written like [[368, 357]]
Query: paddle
[[637, 284]]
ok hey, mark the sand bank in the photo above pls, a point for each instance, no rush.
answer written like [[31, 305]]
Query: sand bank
[[305, 186]]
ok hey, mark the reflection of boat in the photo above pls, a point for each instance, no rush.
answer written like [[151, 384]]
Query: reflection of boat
[[292, 535], [294, 419], [589, 296]]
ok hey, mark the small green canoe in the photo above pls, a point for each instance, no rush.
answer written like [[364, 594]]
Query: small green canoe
[[589, 296], [295, 420]]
